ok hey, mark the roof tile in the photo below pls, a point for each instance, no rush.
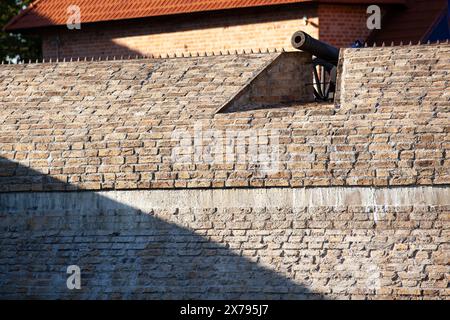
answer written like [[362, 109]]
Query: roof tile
[[54, 12]]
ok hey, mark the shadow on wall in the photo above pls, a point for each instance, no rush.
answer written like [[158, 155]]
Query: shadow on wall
[[123, 253], [125, 37], [61, 43]]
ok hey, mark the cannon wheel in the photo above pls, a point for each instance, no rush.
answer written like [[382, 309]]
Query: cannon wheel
[[324, 79]]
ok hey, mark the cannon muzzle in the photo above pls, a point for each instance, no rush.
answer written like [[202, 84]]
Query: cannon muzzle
[[324, 65], [303, 41]]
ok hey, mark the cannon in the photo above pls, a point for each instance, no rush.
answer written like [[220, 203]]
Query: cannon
[[324, 64]]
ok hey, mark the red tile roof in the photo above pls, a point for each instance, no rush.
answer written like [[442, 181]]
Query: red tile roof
[[43, 13], [411, 23]]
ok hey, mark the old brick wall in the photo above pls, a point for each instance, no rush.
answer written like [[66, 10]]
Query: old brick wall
[[228, 244], [362, 186], [249, 29], [285, 80], [119, 123], [244, 29]]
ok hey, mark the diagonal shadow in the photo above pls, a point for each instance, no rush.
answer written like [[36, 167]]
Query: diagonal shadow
[[123, 253], [62, 43]]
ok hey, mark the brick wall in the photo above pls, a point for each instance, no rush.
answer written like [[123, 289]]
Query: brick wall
[[285, 80], [237, 30], [109, 125], [116, 120], [244, 29], [341, 25], [236, 244]]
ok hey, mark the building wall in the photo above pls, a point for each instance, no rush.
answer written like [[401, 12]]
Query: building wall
[[341, 25], [227, 244], [245, 29], [256, 28]]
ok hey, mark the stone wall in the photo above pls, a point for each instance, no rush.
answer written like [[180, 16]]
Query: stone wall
[[119, 124], [332, 243], [361, 208], [286, 80]]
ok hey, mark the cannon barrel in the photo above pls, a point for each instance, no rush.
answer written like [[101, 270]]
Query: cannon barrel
[[303, 41]]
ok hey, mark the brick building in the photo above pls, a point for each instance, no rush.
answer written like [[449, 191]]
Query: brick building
[[144, 27]]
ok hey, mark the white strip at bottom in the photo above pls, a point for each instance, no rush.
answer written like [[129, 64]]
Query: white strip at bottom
[[230, 198]]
